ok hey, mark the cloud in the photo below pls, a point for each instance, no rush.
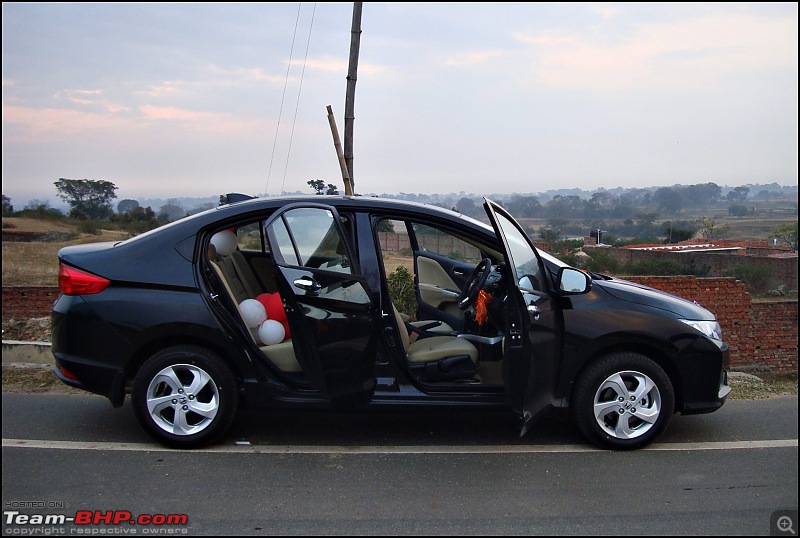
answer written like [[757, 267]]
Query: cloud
[[46, 124], [327, 64], [162, 90], [203, 122], [474, 58], [50, 124], [80, 97], [677, 56]]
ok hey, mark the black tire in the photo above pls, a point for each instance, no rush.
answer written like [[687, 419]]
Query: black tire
[[185, 397], [623, 401]]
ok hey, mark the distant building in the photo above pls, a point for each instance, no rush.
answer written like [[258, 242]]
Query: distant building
[[720, 246]]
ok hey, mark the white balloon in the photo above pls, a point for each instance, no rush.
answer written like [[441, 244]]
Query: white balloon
[[253, 312], [271, 332], [225, 242]]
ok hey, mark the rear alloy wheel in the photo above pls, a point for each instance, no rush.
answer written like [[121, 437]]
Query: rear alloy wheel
[[623, 401], [185, 397]]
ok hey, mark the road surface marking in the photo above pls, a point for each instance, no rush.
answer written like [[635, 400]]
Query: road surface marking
[[437, 449]]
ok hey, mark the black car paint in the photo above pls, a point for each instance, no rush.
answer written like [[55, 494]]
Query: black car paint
[[138, 313]]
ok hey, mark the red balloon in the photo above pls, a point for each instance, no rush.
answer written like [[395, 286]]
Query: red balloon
[[274, 307], [264, 299]]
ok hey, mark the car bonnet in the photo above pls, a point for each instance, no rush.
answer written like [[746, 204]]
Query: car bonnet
[[644, 295]]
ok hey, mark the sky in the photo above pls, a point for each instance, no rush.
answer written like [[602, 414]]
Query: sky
[[172, 100]]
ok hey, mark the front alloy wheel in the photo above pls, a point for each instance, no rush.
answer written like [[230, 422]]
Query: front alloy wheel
[[624, 401], [185, 397]]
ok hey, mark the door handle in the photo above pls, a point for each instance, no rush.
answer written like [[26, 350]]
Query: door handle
[[308, 284], [534, 311]]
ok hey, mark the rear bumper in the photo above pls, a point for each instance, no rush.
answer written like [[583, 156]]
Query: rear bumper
[[102, 379]]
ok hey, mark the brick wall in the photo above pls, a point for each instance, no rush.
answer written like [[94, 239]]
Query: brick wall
[[773, 336], [761, 335], [21, 302]]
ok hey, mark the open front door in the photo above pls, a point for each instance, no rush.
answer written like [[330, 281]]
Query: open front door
[[331, 314], [533, 324]]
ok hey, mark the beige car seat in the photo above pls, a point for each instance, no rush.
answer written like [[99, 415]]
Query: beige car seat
[[282, 354], [438, 358]]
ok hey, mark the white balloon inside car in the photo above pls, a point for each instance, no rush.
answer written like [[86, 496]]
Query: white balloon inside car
[[271, 332], [253, 312], [225, 242]]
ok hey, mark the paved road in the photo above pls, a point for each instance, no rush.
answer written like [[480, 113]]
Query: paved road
[[400, 471]]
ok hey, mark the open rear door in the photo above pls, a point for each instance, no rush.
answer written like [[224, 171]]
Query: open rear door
[[533, 325], [331, 314]]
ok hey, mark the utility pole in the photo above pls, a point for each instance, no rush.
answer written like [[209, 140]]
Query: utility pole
[[350, 98]]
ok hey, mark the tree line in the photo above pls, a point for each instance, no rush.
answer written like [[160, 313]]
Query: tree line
[[632, 213], [92, 201]]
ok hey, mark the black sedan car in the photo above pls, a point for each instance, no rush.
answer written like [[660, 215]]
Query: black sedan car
[[286, 301]]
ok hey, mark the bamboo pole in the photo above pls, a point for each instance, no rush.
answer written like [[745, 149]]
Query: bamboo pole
[[337, 144], [350, 97]]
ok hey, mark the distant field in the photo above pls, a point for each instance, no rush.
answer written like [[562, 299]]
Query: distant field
[[35, 263], [757, 228], [21, 224]]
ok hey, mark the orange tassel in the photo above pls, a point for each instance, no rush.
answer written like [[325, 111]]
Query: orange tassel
[[481, 313]]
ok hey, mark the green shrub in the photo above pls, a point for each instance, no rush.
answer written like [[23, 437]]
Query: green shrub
[[653, 267], [250, 242], [401, 290], [602, 262], [89, 227], [756, 278]]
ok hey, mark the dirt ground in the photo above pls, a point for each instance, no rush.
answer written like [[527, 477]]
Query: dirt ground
[[27, 330]]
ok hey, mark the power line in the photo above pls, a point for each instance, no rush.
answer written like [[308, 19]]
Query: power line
[[280, 113], [300, 89]]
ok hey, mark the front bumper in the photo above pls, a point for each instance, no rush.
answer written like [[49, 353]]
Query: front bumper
[[697, 398]]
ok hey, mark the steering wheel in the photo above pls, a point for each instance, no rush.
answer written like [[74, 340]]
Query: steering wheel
[[475, 283]]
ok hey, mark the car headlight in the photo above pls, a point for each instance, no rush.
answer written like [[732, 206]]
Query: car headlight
[[710, 328]]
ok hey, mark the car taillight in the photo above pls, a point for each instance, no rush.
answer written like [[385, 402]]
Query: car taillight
[[66, 373], [73, 281]]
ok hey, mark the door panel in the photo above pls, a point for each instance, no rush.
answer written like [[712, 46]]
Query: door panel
[[534, 324], [332, 316], [439, 286], [436, 288]]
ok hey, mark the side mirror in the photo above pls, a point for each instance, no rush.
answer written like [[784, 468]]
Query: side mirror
[[571, 280]]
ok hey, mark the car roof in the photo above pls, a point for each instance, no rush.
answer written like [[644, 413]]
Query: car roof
[[384, 205]]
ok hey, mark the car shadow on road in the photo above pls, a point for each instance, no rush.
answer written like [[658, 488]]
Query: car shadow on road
[[395, 426]]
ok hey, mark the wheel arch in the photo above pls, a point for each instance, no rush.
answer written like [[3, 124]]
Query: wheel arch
[[185, 396], [194, 338], [654, 353]]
